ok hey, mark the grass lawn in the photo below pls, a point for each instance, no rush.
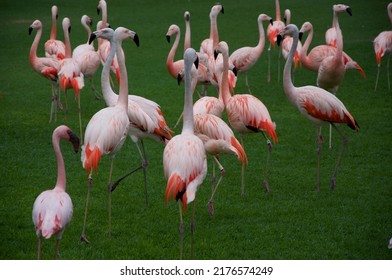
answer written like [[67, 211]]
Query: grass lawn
[[292, 221]]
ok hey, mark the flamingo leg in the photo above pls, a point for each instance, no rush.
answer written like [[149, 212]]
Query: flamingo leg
[[181, 230], [279, 56], [192, 226], [242, 170], [266, 169], [389, 84], [56, 256], [110, 197], [179, 119], [80, 120], [210, 204], [89, 185], [344, 144], [97, 94], [319, 141], [247, 83], [144, 166], [378, 74], [269, 64], [39, 248]]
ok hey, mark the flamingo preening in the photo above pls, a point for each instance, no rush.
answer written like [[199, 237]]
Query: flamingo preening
[[108, 128], [52, 210], [184, 157], [316, 104]]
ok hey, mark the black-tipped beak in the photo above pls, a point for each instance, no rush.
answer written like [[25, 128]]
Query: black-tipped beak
[[136, 40], [69, 30], [30, 30], [74, 139], [279, 39], [223, 10], [349, 11], [98, 10], [300, 35], [272, 21], [168, 38], [197, 63], [92, 38], [215, 54], [179, 78], [234, 71], [91, 22], [285, 20]]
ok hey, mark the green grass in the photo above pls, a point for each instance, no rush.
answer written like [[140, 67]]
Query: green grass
[[293, 221]]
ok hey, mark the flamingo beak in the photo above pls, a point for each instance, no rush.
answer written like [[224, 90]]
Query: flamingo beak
[[168, 38], [30, 30], [279, 39], [349, 11], [300, 35], [92, 38], [271, 21], [74, 139], [136, 40]]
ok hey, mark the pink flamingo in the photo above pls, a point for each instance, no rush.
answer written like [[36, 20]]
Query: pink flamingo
[[288, 41], [175, 68], [47, 67], [218, 138], [383, 45], [332, 69], [316, 104], [70, 75], [246, 57], [107, 129], [52, 210], [208, 45], [246, 113], [272, 32], [54, 48], [313, 60], [86, 56], [184, 157], [145, 116]]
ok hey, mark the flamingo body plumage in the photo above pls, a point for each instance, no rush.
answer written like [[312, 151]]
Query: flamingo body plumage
[[54, 48]]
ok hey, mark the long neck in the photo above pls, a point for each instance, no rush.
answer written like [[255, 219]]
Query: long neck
[[339, 36], [188, 102], [104, 11], [287, 82], [214, 35], [304, 51], [67, 41], [172, 53], [123, 95], [61, 178], [187, 39], [108, 94], [261, 43], [88, 29], [34, 45], [224, 91], [277, 7], [53, 31]]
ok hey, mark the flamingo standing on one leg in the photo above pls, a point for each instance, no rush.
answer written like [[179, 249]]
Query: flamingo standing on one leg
[[107, 129], [382, 46], [332, 69], [316, 104], [52, 210], [272, 32], [86, 56], [218, 138], [54, 48], [70, 75], [47, 67], [246, 113], [145, 116], [246, 57], [184, 157]]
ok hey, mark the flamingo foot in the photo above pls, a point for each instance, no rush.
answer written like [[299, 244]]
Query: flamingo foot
[[211, 209], [84, 238]]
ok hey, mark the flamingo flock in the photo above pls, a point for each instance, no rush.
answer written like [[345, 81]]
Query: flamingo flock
[[210, 125]]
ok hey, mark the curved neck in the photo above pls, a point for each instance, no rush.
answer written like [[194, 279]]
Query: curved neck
[[108, 94], [304, 51], [61, 178], [277, 7], [287, 82], [224, 90], [261, 42], [123, 95], [67, 42], [188, 102], [34, 45], [88, 29], [172, 53], [53, 31]]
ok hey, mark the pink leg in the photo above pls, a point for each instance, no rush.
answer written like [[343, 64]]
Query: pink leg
[[344, 143], [56, 256], [39, 249], [319, 146]]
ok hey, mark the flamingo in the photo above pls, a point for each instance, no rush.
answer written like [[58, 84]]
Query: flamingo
[[107, 129], [47, 67], [52, 210], [288, 41], [313, 60], [208, 45], [184, 157], [246, 113], [70, 75], [382, 46], [104, 45], [218, 138], [54, 48], [86, 56], [272, 32], [316, 104], [145, 116], [175, 68], [332, 69], [246, 57]]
